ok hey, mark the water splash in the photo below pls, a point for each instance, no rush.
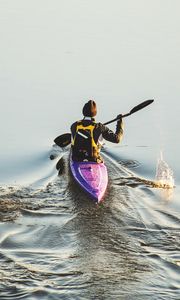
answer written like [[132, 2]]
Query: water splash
[[164, 174]]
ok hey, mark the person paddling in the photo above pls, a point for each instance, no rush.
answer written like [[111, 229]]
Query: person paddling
[[87, 135]]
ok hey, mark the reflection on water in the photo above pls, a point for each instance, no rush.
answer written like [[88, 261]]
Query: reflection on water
[[55, 242]]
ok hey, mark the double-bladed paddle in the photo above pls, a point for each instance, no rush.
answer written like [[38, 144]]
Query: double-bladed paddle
[[65, 139]]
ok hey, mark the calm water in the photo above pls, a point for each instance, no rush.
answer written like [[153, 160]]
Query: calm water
[[55, 243]]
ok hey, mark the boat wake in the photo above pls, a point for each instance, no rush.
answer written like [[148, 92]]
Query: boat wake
[[163, 178], [54, 241]]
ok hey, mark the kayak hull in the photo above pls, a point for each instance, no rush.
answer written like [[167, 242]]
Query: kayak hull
[[92, 177]]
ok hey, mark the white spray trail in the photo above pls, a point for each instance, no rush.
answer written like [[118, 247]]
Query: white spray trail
[[164, 174]]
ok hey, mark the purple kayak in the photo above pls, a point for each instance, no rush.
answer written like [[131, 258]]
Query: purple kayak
[[92, 177]]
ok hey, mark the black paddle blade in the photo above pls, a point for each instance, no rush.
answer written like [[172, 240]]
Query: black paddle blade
[[140, 106], [63, 140]]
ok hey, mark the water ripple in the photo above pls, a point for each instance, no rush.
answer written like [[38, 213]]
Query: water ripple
[[55, 243]]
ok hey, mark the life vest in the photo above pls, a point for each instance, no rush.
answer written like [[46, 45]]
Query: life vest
[[83, 144]]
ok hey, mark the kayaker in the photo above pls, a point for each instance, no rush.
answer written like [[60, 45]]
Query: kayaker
[[87, 135]]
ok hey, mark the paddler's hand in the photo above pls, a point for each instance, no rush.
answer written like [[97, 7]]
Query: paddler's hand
[[119, 126], [119, 117]]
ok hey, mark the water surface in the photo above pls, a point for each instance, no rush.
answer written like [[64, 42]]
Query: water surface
[[55, 243]]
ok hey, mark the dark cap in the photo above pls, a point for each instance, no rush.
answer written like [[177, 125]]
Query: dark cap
[[90, 109]]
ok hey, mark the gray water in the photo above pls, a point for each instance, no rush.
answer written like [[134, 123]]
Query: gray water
[[55, 242]]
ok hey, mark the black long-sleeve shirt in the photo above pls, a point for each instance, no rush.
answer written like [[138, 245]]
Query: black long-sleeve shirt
[[100, 131]]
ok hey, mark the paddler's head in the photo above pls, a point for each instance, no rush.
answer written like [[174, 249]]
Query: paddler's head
[[90, 109]]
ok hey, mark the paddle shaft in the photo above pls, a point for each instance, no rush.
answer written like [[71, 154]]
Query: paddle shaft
[[113, 120], [133, 110]]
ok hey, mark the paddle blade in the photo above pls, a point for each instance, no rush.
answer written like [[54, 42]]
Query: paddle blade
[[140, 106], [63, 140]]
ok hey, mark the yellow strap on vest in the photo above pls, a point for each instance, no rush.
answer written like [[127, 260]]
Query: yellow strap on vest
[[90, 128]]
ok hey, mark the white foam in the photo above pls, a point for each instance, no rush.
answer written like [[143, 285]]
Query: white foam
[[164, 174]]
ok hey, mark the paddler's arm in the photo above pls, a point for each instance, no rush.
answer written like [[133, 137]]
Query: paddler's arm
[[110, 136]]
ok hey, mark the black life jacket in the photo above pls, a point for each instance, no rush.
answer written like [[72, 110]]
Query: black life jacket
[[83, 144]]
